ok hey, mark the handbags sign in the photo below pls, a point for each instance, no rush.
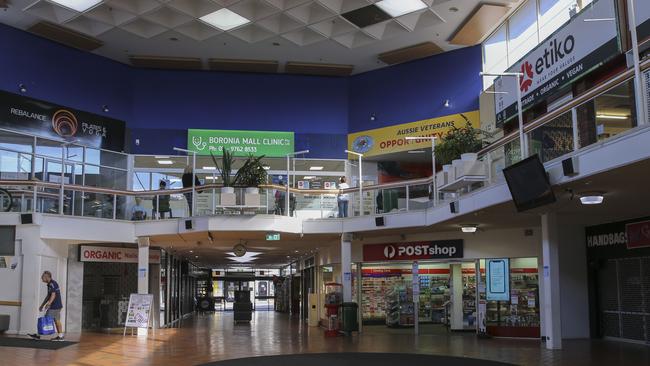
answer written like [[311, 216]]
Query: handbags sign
[[114, 255], [437, 249], [621, 239], [567, 55], [43, 119]]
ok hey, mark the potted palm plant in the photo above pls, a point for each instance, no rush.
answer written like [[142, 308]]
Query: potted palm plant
[[228, 197], [251, 175]]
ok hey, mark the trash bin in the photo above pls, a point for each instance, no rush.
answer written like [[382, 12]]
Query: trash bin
[[349, 312]]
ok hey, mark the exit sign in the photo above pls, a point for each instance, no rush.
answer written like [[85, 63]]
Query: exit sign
[[272, 236]]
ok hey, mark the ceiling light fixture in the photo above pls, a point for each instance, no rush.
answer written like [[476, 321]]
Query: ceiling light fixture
[[316, 168], [447, 103], [611, 116], [224, 19], [77, 5], [209, 168], [469, 228], [211, 178], [416, 151], [165, 162], [308, 177], [105, 108], [592, 198], [396, 8], [22, 88]]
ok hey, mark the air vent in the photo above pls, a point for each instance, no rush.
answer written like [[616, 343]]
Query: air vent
[[368, 15], [478, 25], [262, 66], [65, 36], [410, 53], [318, 69], [154, 62]]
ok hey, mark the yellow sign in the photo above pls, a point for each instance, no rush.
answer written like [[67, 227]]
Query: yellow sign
[[391, 139]]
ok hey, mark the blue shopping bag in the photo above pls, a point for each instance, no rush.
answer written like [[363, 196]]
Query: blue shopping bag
[[46, 325]]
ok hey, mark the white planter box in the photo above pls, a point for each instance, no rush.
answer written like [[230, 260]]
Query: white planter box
[[228, 199], [251, 199]]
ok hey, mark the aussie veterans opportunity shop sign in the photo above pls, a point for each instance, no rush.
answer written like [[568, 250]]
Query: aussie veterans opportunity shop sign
[[564, 57], [22, 114]]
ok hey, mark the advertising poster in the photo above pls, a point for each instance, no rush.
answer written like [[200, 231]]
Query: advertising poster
[[498, 279], [139, 311], [271, 144], [47, 120], [390, 139], [568, 54]]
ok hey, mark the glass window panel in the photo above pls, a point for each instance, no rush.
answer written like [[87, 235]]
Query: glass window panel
[[113, 159], [553, 139], [495, 54], [522, 29], [142, 181], [553, 14], [92, 156], [48, 148], [105, 177], [16, 142], [75, 153]]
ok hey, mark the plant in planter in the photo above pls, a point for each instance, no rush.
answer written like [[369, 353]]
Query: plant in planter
[[228, 197], [459, 141], [252, 174]]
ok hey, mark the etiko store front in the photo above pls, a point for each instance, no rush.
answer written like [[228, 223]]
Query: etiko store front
[[434, 283]]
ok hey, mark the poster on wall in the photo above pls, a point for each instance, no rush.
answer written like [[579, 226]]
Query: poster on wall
[[272, 144], [47, 120], [391, 139], [497, 279], [567, 55]]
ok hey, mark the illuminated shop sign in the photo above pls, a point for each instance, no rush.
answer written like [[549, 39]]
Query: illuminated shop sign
[[240, 143], [114, 255], [437, 249]]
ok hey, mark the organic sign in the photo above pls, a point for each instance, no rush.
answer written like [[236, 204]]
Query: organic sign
[[89, 253], [240, 143], [564, 57]]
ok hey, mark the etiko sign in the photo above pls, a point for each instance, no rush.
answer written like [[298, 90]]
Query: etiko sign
[[114, 255], [437, 249], [240, 143]]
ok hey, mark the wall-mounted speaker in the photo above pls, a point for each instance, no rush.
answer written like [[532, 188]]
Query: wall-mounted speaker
[[26, 219], [188, 224], [379, 221], [570, 167], [453, 207]]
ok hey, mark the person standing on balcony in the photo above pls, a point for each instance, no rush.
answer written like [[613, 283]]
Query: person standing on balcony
[[161, 202], [343, 198], [52, 305], [187, 183]]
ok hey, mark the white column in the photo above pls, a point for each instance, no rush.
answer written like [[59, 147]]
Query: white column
[[456, 316], [550, 301], [346, 266], [143, 265]]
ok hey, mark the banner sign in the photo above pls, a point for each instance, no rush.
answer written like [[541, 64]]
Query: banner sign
[[89, 253], [240, 143], [497, 279], [390, 139], [567, 55], [642, 13], [437, 249], [47, 120], [139, 311], [621, 239]]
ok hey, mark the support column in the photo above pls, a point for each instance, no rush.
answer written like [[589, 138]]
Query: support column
[[346, 266], [456, 316], [143, 272], [550, 301]]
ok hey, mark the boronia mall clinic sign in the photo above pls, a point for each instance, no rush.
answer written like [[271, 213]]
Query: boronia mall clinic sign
[[240, 143]]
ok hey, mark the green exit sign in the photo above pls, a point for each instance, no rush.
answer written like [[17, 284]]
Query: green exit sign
[[272, 236]]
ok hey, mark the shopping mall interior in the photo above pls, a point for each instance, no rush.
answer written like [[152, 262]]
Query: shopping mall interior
[[317, 182]]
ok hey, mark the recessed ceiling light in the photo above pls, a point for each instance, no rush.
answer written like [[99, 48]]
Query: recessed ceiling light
[[416, 151], [316, 168], [224, 19], [308, 177], [453, 9], [266, 167], [211, 178], [78, 5], [592, 199], [209, 168], [165, 162], [396, 8], [191, 251], [611, 116], [469, 228]]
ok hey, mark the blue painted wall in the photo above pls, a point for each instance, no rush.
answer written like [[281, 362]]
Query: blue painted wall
[[160, 105], [416, 90]]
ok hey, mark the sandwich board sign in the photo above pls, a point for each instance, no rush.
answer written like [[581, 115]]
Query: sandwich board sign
[[138, 314]]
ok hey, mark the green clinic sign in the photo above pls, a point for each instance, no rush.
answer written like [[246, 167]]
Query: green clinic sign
[[240, 143]]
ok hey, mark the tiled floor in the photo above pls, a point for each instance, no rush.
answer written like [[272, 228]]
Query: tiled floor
[[215, 337]]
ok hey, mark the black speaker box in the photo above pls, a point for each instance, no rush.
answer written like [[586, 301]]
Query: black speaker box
[[379, 221], [569, 167], [26, 219], [453, 207], [188, 224]]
